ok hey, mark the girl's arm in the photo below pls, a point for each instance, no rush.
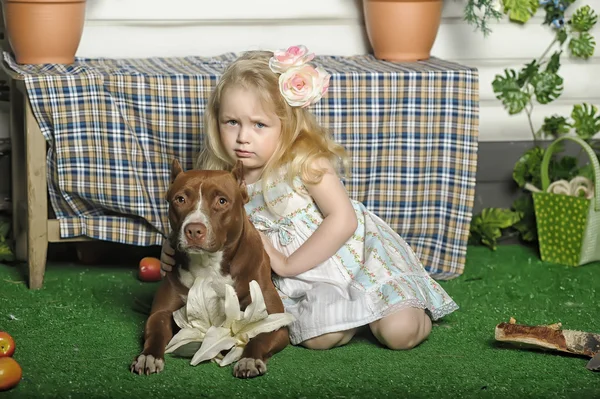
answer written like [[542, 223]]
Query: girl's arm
[[338, 226]]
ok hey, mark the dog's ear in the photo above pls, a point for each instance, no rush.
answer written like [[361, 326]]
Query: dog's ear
[[175, 169], [238, 174]]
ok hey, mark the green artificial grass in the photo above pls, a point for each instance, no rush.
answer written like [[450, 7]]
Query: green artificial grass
[[77, 336]]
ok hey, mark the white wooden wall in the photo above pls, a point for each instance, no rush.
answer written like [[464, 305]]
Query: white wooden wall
[[145, 28]]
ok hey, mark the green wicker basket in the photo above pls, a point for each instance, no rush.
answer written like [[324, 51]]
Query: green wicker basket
[[568, 226]]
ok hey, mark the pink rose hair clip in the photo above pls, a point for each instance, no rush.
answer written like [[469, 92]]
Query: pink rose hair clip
[[299, 83]]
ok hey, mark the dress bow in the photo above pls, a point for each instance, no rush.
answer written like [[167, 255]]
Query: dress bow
[[284, 227]]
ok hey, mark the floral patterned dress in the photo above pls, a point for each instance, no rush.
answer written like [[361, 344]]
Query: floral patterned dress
[[373, 275]]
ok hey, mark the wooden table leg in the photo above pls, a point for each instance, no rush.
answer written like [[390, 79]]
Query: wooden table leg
[[37, 200]]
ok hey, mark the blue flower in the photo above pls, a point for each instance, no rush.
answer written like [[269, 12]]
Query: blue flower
[[558, 23]]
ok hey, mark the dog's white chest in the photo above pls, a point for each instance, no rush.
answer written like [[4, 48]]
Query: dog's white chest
[[204, 265]]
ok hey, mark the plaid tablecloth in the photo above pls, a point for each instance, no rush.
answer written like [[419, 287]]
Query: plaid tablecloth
[[114, 125]]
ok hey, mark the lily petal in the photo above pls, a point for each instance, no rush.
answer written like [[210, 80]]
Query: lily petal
[[185, 337], [256, 310], [271, 323], [216, 308], [232, 356], [204, 306], [187, 350], [216, 340], [181, 319], [232, 307], [197, 308]]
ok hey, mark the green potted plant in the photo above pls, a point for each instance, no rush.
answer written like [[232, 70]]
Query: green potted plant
[[537, 83]]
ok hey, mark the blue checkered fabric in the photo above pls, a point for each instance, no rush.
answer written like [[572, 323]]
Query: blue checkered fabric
[[114, 125]]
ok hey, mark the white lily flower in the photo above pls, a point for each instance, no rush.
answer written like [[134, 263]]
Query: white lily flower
[[211, 323]]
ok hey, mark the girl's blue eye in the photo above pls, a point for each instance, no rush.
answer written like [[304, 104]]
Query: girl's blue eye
[[260, 125], [231, 122]]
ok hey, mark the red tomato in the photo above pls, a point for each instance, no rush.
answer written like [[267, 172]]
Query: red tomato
[[150, 269], [10, 373], [7, 344]]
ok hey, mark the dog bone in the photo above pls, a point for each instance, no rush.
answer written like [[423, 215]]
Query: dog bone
[[552, 337]]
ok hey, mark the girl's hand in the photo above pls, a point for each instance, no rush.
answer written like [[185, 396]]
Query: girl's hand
[[278, 260], [167, 260]]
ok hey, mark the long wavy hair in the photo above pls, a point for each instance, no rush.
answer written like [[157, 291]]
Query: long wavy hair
[[302, 139]]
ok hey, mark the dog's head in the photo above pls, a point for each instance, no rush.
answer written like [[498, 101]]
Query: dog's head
[[206, 207]]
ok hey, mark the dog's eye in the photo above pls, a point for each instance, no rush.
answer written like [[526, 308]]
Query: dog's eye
[[179, 199], [222, 201]]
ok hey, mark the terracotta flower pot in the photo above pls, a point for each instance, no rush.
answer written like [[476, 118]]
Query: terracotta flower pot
[[44, 31], [402, 30]]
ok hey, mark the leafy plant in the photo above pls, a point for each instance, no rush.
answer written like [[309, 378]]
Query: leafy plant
[[520, 10], [6, 254], [480, 12], [487, 226], [585, 120], [537, 83]]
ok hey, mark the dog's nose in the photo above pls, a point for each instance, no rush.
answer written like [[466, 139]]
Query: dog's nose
[[195, 231]]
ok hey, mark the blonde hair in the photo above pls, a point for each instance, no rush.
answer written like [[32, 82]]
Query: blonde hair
[[302, 140]]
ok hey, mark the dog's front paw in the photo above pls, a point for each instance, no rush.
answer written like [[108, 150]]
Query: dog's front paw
[[248, 368], [147, 364]]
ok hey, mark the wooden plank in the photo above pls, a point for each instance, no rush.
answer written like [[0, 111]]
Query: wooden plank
[[37, 203], [149, 10], [223, 9], [54, 233], [455, 40], [496, 124], [580, 79]]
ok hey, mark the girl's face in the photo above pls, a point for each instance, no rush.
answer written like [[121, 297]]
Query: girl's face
[[248, 132]]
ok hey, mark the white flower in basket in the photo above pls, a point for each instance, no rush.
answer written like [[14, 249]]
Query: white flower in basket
[[212, 322]]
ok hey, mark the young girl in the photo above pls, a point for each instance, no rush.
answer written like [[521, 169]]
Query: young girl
[[338, 266]]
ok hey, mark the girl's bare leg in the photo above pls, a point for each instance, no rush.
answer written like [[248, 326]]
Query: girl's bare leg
[[330, 340], [404, 329]]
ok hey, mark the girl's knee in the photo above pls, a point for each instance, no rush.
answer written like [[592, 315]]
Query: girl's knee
[[402, 330], [328, 341]]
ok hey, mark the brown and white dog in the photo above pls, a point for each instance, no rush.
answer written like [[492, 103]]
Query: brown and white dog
[[212, 236]]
